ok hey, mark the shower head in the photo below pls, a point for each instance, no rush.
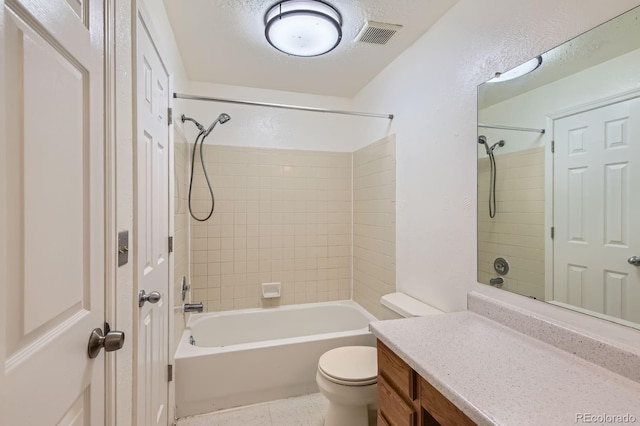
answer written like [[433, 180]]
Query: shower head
[[482, 140], [222, 118], [499, 144]]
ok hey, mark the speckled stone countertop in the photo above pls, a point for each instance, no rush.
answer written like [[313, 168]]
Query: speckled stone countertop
[[498, 376]]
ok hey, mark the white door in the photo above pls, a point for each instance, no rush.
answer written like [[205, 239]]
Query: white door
[[152, 231], [52, 217], [596, 209]]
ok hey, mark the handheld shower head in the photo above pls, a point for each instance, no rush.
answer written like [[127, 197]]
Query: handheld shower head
[[500, 143], [222, 118]]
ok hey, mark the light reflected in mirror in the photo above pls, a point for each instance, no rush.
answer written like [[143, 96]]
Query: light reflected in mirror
[[559, 176]]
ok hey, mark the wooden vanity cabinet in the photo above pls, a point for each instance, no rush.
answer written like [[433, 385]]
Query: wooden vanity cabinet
[[406, 399]]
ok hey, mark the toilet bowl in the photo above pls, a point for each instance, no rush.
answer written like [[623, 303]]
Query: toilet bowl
[[348, 378]]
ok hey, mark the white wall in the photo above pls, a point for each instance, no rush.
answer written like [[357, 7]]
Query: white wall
[[270, 127], [432, 90]]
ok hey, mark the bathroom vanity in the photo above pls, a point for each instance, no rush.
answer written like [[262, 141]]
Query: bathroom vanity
[[499, 365]]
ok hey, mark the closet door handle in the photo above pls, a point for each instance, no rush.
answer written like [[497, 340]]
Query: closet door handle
[[634, 260], [110, 341], [152, 297]]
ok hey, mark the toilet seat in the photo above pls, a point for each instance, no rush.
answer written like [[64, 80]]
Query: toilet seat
[[350, 365]]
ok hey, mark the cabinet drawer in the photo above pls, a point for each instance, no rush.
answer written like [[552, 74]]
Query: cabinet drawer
[[393, 407], [440, 408], [396, 372]]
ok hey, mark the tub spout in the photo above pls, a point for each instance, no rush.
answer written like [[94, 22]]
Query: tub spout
[[192, 307]]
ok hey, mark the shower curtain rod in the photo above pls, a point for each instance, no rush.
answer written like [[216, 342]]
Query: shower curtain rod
[[283, 106], [520, 129]]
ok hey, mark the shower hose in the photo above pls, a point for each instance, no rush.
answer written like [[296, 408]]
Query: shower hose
[[200, 138]]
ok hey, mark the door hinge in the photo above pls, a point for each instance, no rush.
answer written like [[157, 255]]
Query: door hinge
[[170, 116], [553, 146], [553, 231], [170, 373], [171, 244]]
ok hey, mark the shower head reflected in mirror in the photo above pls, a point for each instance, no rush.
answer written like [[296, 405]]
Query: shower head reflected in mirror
[[499, 143], [482, 140]]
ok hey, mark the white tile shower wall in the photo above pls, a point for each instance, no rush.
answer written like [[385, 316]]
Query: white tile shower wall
[[181, 253], [374, 224], [516, 233], [280, 216]]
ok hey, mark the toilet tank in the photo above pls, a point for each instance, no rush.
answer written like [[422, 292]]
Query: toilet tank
[[406, 306]]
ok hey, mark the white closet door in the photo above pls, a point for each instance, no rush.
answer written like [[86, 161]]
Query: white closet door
[[52, 219], [596, 208], [152, 231]]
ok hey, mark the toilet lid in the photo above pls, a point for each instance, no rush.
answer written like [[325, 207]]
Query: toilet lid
[[350, 365]]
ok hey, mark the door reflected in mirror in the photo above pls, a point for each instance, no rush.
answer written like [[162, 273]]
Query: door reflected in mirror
[[558, 175]]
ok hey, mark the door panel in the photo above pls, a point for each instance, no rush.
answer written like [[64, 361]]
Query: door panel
[[597, 159], [55, 225], [152, 225]]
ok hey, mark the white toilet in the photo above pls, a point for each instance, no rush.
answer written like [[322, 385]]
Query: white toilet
[[348, 378]]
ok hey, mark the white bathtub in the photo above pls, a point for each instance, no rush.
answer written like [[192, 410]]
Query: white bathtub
[[256, 355]]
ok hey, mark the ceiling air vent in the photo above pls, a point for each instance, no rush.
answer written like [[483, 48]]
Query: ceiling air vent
[[377, 32]]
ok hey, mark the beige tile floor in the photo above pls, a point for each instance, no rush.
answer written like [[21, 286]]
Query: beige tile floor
[[306, 410]]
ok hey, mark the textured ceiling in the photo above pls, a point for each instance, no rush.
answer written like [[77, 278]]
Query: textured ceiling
[[222, 41], [607, 41]]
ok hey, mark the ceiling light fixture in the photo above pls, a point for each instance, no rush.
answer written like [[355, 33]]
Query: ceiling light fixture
[[303, 27], [518, 71]]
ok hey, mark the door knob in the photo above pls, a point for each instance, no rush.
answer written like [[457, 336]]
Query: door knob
[[634, 260], [112, 341], [152, 297]]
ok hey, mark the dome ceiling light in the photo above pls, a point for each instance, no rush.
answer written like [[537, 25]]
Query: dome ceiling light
[[303, 27], [518, 71]]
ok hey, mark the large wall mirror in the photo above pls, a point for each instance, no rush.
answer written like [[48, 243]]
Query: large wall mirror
[[559, 175]]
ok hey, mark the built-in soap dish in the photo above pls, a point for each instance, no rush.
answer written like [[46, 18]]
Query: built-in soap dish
[[270, 290]]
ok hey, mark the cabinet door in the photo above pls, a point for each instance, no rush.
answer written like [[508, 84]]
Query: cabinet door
[[398, 374], [437, 408], [393, 408]]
